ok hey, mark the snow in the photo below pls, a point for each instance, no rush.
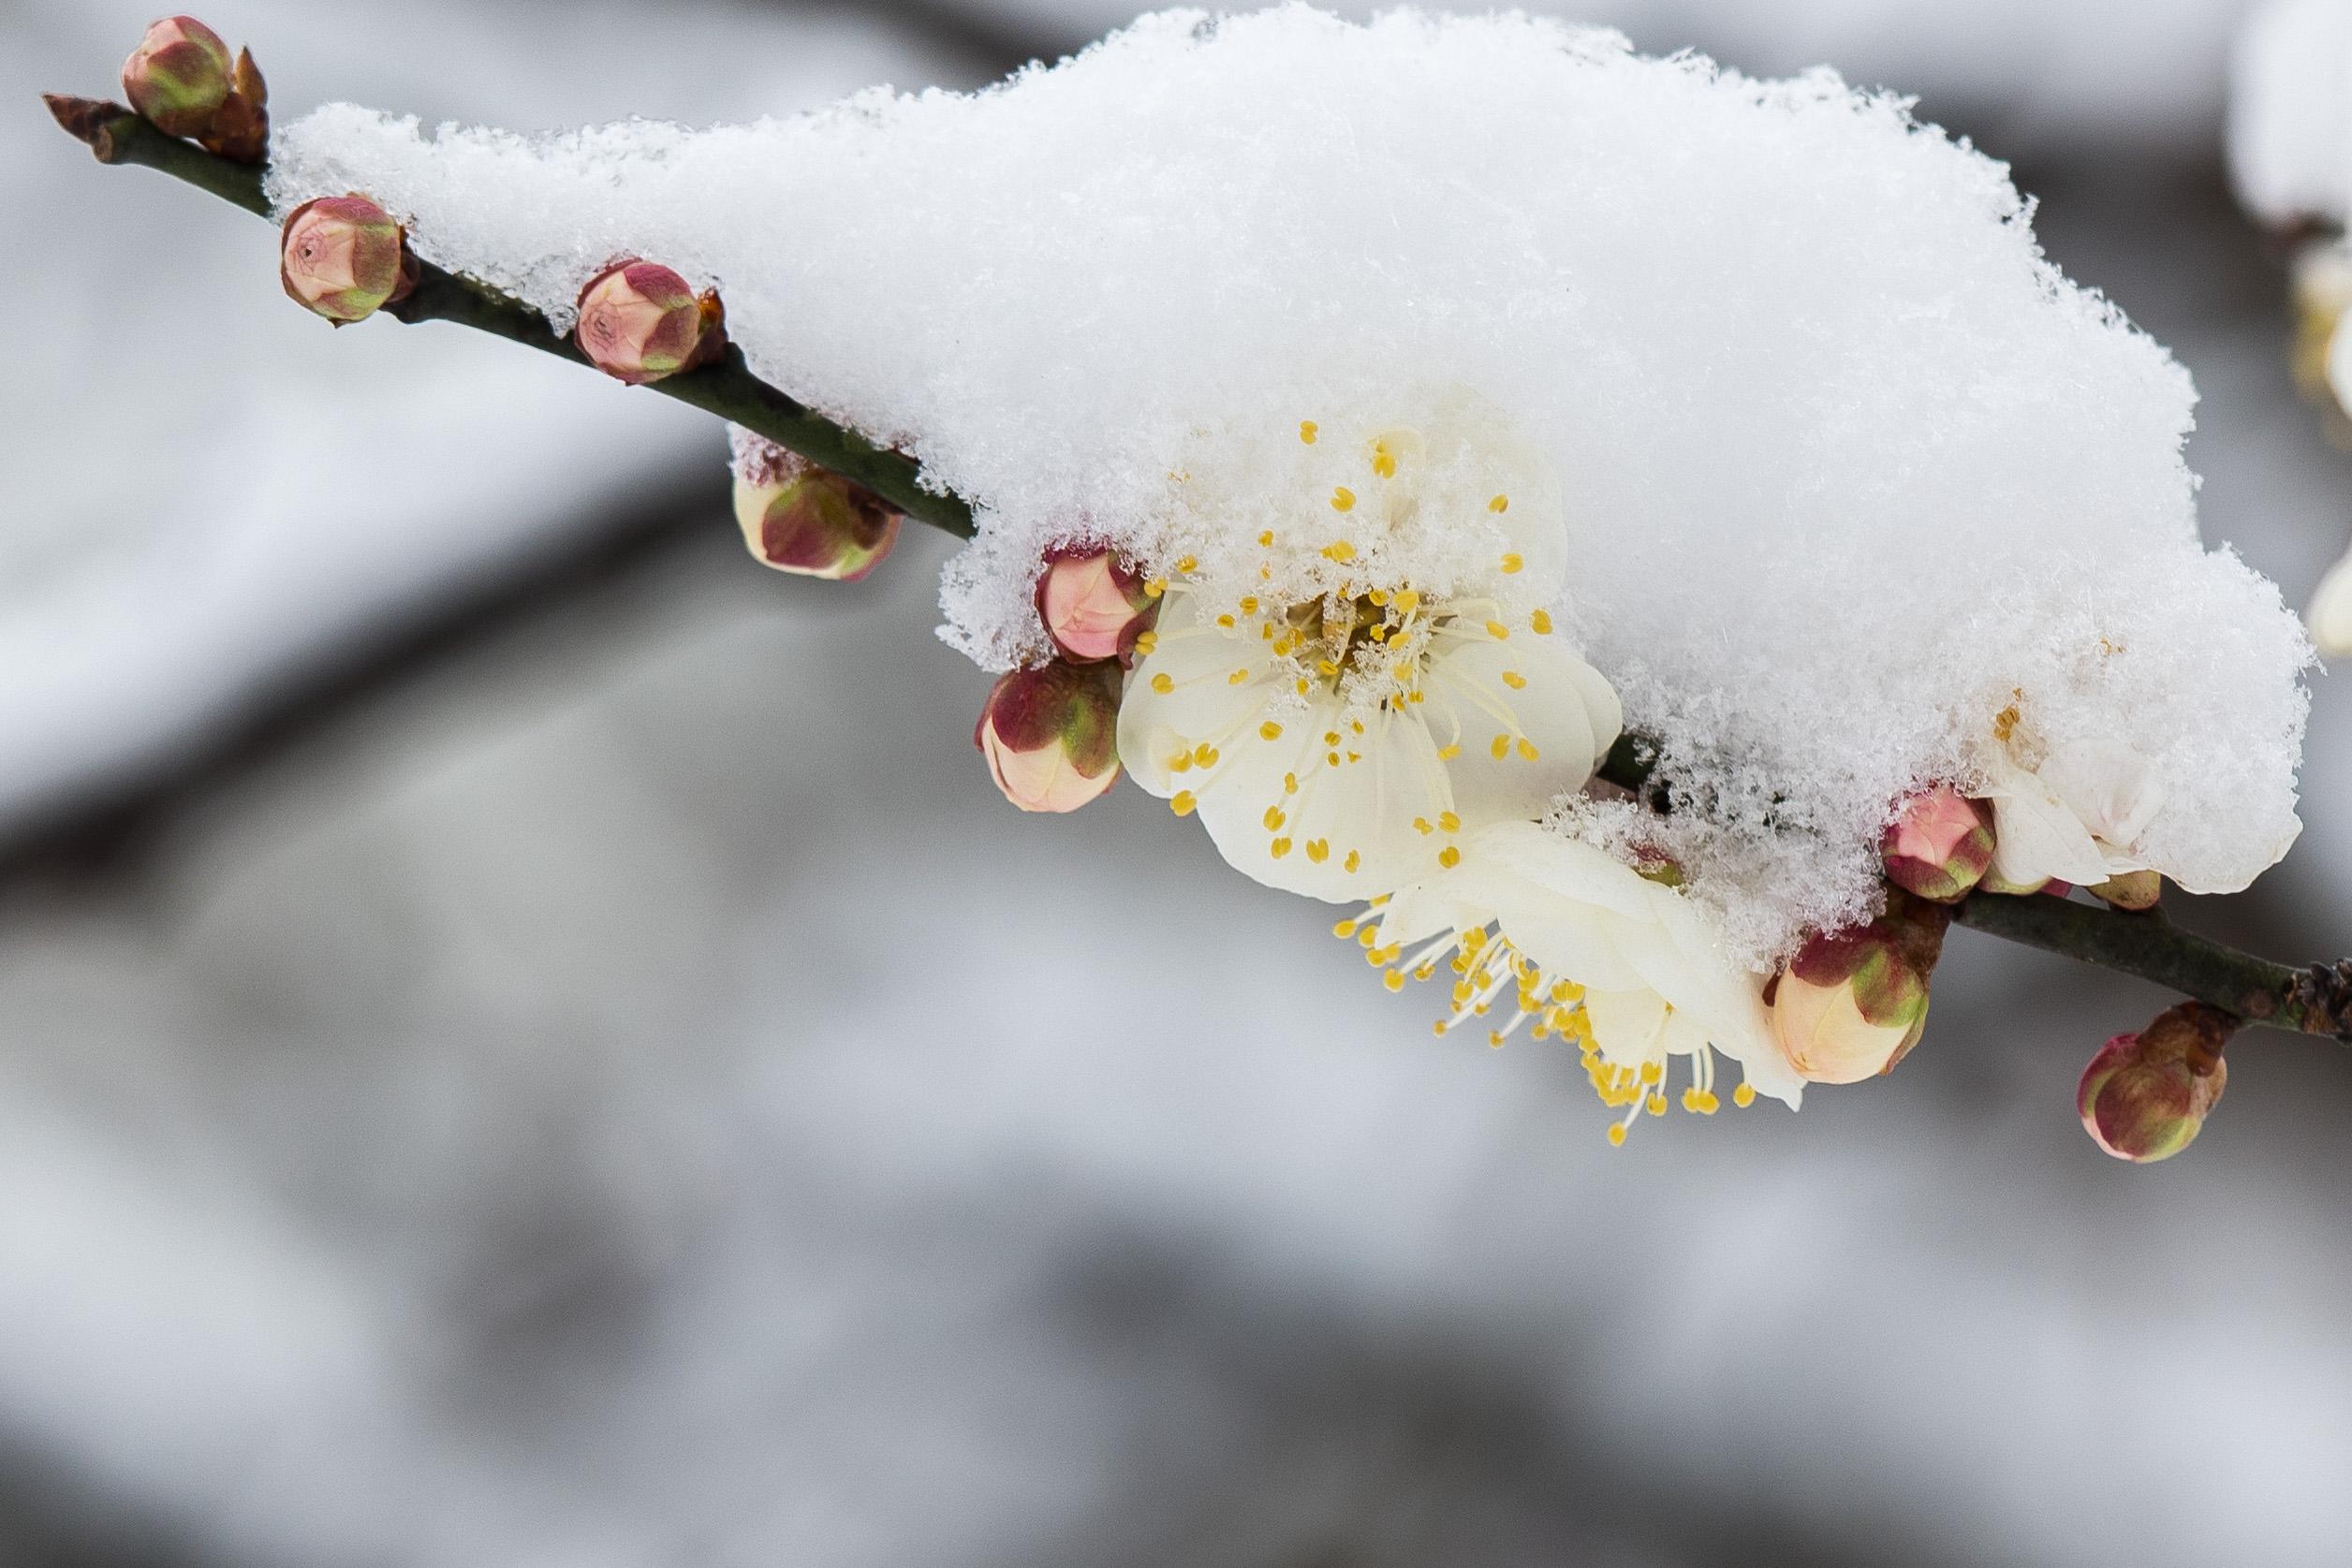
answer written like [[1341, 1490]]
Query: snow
[[2290, 132], [1848, 468]]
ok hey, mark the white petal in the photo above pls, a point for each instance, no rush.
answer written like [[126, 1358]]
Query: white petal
[[1550, 708], [1628, 1026], [2112, 789], [2035, 836]]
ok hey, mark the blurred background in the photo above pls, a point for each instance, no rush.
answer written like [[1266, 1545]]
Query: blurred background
[[527, 1039]]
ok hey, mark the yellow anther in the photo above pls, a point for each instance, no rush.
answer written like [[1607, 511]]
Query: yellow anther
[[1156, 587], [1449, 754], [1180, 763], [1383, 460], [1378, 596], [1227, 621], [1656, 1105], [1331, 737], [1273, 818], [1515, 680], [1708, 1104], [1307, 428], [1302, 685], [1512, 563], [1744, 1096], [1344, 930], [1690, 1099], [1269, 731], [1420, 825], [1280, 848], [1616, 1134], [1146, 641], [1239, 677], [1265, 631], [1500, 504], [1342, 499], [1266, 539], [1341, 550], [1450, 822], [1356, 724], [1326, 666], [1290, 784], [1438, 1028], [1541, 622], [1449, 857], [1501, 748], [1652, 1072], [1205, 755], [1354, 860], [1319, 850], [1527, 750], [1189, 564], [1494, 1038], [1331, 759], [1380, 634], [1369, 936], [1496, 630], [1393, 979], [1407, 600], [1249, 604], [1183, 803], [1163, 683]]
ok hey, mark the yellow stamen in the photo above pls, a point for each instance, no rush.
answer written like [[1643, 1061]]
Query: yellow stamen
[[1527, 749], [1512, 563], [1188, 564], [1449, 857], [1515, 680], [1281, 848], [1496, 630], [1319, 850], [1163, 683], [1541, 622], [1342, 498], [1184, 803], [1307, 429], [1269, 731], [1502, 747], [1500, 504]]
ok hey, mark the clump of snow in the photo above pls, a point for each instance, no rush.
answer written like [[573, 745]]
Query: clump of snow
[[1849, 474], [2290, 111]]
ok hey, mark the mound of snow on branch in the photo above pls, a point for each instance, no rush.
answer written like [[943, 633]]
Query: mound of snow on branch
[[1848, 474]]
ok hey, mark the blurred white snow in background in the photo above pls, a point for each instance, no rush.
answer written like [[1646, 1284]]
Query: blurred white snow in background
[[638, 1096]]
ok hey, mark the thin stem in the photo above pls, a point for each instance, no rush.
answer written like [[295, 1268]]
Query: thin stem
[[725, 386], [2314, 1001]]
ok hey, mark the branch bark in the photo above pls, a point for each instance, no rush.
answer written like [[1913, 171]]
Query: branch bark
[[2313, 1001]]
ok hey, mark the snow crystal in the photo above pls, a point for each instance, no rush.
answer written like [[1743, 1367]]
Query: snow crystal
[[1848, 472], [2290, 111]]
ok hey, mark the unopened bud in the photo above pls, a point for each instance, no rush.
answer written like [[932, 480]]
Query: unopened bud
[[2131, 890], [179, 76], [1050, 735], [2145, 1096], [1092, 607], [1939, 845], [344, 258], [1853, 1003], [640, 322], [797, 517]]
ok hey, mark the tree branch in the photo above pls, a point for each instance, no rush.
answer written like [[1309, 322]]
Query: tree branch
[[726, 387], [2314, 1001]]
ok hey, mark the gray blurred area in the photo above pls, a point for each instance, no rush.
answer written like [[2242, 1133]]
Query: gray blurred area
[[527, 1040]]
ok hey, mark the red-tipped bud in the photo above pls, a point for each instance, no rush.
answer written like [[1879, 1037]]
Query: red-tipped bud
[[1939, 845], [797, 517], [2144, 1096], [1092, 607], [2131, 891], [1853, 1003], [179, 76], [344, 258], [1050, 735], [640, 322]]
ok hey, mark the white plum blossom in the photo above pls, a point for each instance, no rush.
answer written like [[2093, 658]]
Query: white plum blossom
[[2077, 816], [1573, 940], [1377, 677]]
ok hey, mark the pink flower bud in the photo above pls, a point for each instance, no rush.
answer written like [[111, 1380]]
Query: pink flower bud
[[2140, 890], [798, 518], [1050, 735], [1939, 844], [1092, 606], [179, 76], [1853, 1003], [2144, 1096], [640, 322], [344, 258]]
